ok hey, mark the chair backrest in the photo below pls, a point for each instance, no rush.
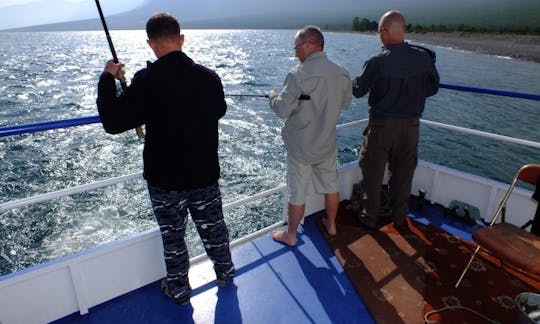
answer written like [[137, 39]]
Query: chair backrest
[[529, 173]]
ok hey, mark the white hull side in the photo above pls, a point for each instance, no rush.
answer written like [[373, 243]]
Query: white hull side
[[76, 283]]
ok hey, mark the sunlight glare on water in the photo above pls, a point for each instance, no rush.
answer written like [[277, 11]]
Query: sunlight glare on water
[[53, 75]]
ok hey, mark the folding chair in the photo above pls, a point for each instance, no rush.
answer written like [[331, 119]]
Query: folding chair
[[507, 242]]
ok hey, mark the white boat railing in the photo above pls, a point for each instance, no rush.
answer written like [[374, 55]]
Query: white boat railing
[[21, 129], [67, 192], [138, 175], [459, 129], [482, 134], [243, 201]]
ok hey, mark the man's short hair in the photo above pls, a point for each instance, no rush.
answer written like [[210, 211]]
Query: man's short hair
[[311, 33], [162, 25]]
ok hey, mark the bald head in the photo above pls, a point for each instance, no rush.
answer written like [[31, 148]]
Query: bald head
[[312, 34], [392, 28], [307, 41]]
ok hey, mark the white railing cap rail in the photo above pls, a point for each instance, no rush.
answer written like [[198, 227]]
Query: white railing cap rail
[[111, 181]]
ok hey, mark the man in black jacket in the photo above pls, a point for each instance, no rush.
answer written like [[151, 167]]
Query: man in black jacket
[[398, 81], [180, 103]]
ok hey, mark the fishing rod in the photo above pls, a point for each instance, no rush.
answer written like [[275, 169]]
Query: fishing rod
[[247, 95], [302, 97], [79, 121], [123, 84]]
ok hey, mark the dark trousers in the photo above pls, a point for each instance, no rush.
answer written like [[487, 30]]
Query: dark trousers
[[393, 141], [204, 204]]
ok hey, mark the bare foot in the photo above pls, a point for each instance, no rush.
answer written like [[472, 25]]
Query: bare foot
[[283, 237], [330, 228]]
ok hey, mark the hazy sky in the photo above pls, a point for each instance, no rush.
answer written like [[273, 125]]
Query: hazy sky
[[19, 13]]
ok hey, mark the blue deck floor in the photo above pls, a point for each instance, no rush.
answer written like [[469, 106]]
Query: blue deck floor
[[273, 284]]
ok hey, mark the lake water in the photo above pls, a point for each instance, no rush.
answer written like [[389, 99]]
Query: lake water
[[53, 75]]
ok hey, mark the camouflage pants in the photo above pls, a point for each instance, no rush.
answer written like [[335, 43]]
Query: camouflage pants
[[171, 209]]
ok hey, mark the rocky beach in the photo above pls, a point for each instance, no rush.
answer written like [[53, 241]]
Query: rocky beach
[[523, 47]]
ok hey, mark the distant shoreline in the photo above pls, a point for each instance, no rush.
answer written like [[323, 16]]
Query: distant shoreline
[[523, 47], [516, 46]]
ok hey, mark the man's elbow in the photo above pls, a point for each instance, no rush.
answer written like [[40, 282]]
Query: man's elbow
[[432, 90], [110, 125], [281, 114], [111, 129]]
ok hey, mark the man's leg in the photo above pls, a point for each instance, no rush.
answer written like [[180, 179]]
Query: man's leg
[[206, 211], [296, 212], [401, 168], [325, 181], [373, 158], [331, 202], [298, 176], [171, 216]]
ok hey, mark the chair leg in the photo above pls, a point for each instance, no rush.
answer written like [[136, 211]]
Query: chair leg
[[467, 267]]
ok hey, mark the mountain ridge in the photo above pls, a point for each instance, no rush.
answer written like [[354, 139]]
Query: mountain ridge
[[505, 14]]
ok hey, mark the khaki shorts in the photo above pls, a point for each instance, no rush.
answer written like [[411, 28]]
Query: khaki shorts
[[323, 177]]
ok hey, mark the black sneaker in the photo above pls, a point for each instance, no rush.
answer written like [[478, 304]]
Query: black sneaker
[[184, 300], [399, 222], [366, 221]]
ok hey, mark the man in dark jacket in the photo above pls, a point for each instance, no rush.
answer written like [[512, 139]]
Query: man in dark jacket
[[398, 81], [180, 103]]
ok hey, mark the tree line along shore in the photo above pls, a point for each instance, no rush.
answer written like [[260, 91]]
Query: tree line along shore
[[365, 24]]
